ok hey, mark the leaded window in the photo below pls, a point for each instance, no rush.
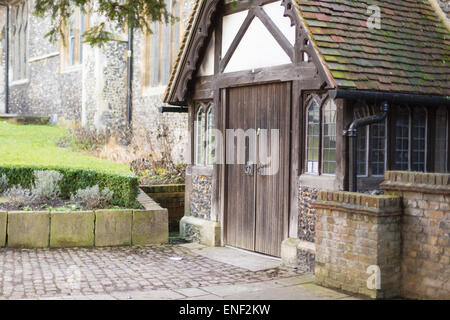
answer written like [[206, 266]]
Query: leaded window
[[329, 139], [419, 125], [321, 138], [402, 134], [362, 151], [378, 148], [313, 137], [210, 150], [441, 147], [203, 134]]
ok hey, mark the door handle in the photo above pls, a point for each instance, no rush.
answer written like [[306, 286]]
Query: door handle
[[260, 170], [249, 169]]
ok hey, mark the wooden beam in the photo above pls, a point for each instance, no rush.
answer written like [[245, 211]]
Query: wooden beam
[[237, 39], [275, 32], [304, 72], [242, 5]]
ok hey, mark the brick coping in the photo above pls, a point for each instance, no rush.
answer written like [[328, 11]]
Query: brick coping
[[434, 183], [375, 205]]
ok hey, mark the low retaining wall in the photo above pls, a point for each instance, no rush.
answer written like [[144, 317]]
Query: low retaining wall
[[425, 228], [170, 197], [23, 229], [358, 243]]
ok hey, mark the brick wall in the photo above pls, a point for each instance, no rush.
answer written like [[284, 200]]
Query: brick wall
[[354, 232], [425, 232]]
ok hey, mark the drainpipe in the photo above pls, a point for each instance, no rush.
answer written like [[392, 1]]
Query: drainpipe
[[3, 4], [130, 74], [352, 134]]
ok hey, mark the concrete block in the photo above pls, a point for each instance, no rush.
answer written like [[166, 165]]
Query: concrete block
[[28, 229], [208, 231], [3, 220], [150, 227], [113, 227], [72, 229]]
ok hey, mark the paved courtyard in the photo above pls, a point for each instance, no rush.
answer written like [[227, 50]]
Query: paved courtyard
[[153, 272]]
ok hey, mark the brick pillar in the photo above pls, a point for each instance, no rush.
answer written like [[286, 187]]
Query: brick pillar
[[425, 232], [357, 241]]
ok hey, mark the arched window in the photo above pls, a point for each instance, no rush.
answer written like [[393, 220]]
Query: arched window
[[419, 132], [441, 147], [312, 137], [203, 132], [329, 138], [321, 138], [210, 150], [200, 136], [402, 139]]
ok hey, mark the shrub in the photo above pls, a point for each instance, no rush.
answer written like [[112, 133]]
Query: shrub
[[93, 197], [19, 195], [4, 182], [125, 188], [46, 184], [87, 139]]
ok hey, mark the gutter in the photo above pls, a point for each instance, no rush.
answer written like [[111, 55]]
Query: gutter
[[392, 97], [3, 4]]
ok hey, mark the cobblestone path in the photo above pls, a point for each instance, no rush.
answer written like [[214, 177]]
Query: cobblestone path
[[33, 273]]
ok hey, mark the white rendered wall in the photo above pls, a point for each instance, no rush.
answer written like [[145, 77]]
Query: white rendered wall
[[275, 11]]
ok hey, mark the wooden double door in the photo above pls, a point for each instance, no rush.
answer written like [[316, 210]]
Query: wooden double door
[[257, 193]]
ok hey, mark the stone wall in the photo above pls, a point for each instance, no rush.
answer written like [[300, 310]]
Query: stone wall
[[95, 92], [425, 232], [445, 6], [167, 133], [200, 197], [356, 235], [306, 225]]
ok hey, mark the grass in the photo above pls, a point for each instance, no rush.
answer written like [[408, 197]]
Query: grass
[[35, 145]]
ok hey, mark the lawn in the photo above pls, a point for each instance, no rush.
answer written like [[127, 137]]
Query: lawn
[[35, 145]]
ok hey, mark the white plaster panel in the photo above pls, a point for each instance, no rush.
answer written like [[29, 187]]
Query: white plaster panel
[[275, 11], [230, 27], [257, 49]]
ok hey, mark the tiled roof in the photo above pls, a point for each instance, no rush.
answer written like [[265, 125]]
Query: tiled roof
[[410, 53]]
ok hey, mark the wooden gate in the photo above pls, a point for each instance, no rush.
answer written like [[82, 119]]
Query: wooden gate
[[256, 206]]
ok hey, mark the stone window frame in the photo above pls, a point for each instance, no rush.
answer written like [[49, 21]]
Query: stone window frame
[[71, 48], [205, 108], [160, 50], [322, 105], [19, 31]]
